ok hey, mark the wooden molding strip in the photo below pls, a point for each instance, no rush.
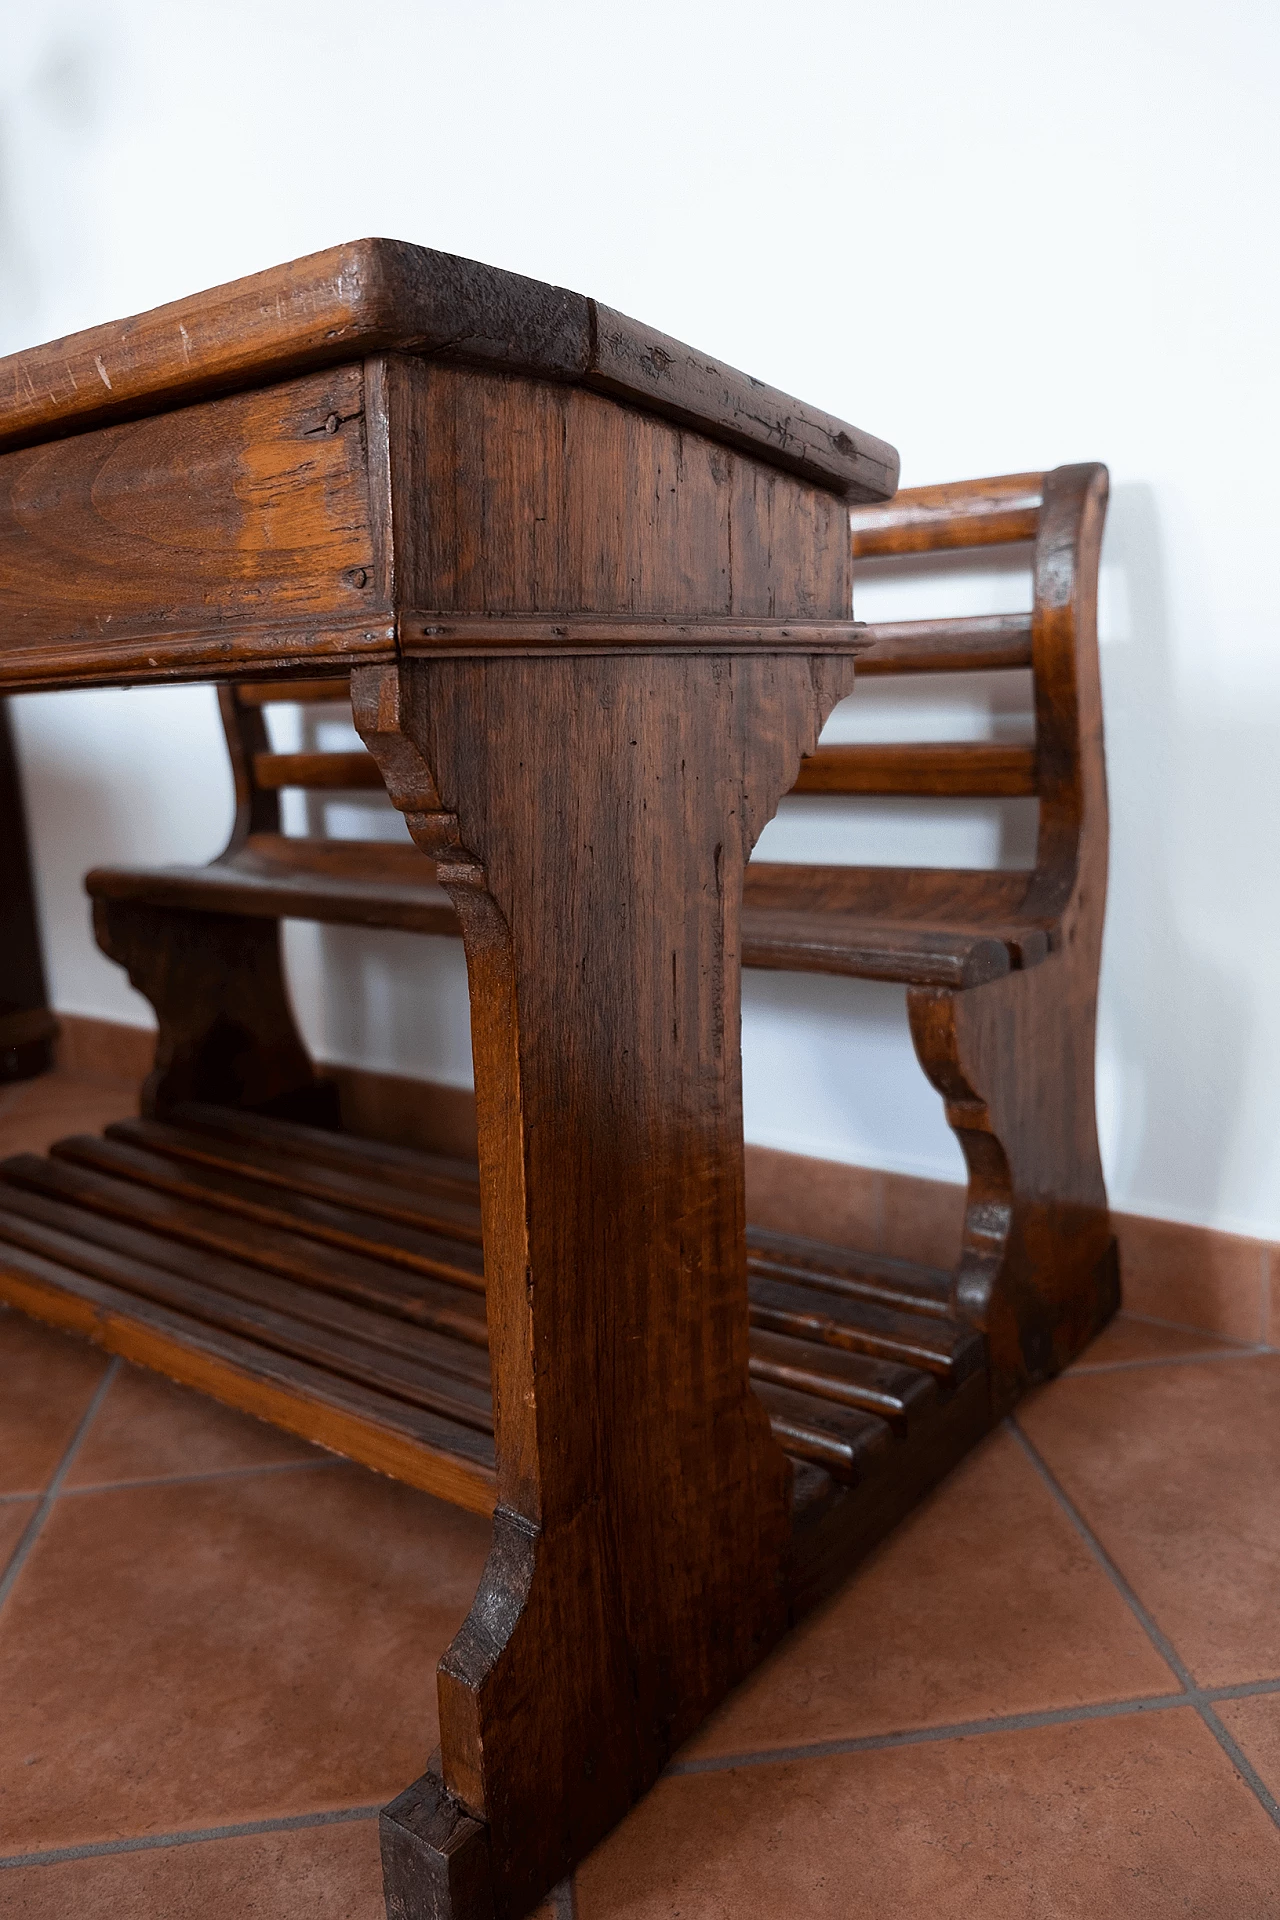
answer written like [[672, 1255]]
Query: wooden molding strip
[[441, 633], [143, 659]]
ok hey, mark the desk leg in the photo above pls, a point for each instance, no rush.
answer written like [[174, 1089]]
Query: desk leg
[[592, 817]]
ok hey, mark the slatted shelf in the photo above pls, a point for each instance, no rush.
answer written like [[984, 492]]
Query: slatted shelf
[[336, 1287]]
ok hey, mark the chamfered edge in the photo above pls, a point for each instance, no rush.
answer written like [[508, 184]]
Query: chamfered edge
[[372, 295]]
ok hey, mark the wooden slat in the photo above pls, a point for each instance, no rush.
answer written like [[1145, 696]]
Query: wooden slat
[[962, 513], [411, 1444], [973, 769], [405, 1201], [845, 1348], [968, 903], [410, 1167], [808, 1313], [317, 772], [842, 1439], [372, 1365], [124, 1153], [904, 1286], [427, 1303], [824, 942], [895, 1394], [302, 693], [240, 1281], [979, 643], [364, 883]]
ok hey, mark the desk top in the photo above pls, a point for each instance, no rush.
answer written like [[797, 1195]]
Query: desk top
[[372, 296]]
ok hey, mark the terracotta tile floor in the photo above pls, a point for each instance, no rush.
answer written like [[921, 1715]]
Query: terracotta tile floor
[[1055, 1691]]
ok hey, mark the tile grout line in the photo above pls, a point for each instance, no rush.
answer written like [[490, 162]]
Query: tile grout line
[[184, 1479], [31, 1531], [1196, 1697], [564, 1900], [1159, 1640], [1167, 1360], [147, 1842], [1181, 1326], [214, 1473], [970, 1729]]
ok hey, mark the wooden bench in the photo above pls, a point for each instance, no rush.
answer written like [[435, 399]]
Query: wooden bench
[[1002, 966]]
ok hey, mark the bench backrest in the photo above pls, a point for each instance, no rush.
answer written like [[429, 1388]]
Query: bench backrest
[[261, 774], [1060, 515]]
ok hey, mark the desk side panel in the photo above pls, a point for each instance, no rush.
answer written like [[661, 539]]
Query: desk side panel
[[520, 496], [237, 530]]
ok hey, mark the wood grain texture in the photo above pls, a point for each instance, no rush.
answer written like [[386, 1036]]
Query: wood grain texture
[[969, 644], [365, 883], [316, 772], [605, 1027], [960, 513], [283, 477], [427, 1452], [372, 294], [532, 497], [167, 539], [945, 769]]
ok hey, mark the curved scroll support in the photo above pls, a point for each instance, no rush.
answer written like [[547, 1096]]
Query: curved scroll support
[[1014, 1062], [1014, 1059], [592, 817], [226, 1028]]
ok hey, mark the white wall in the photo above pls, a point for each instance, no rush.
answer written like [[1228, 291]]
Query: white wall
[[1002, 235]]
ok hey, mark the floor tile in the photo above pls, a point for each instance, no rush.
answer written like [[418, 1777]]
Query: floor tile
[[1255, 1724], [47, 1380], [985, 1601], [316, 1873], [244, 1648], [1175, 1469], [1141, 1816], [60, 1103], [147, 1427], [14, 1515], [1129, 1339], [1197, 1277]]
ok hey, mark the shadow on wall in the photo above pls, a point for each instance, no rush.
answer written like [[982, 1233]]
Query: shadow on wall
[[1174, 1020]]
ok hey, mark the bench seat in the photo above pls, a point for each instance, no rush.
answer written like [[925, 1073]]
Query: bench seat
[[923, 926], [275, 876], [875, 923]]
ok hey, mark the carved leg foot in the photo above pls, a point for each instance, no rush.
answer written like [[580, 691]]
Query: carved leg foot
[[435, 1857]]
